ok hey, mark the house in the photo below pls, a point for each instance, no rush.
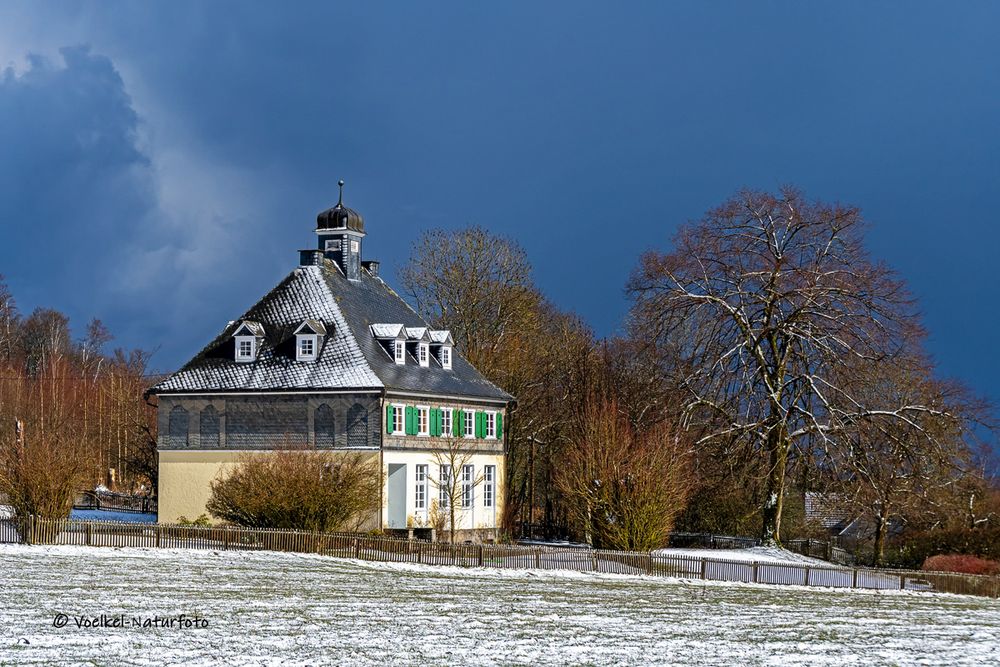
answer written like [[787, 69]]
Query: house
[[333, 358]]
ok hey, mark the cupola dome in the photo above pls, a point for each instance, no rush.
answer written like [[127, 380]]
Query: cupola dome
[[340, 216]]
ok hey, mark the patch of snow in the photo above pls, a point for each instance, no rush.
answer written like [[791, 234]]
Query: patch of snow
[[749, 555], [267, 608]]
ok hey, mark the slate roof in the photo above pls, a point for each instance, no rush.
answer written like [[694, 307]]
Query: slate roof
[[350, 356]]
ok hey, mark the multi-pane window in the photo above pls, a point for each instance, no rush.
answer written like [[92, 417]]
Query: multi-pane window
[[467, 472], [398, 420], [244, 349], [444, 486], [446, 422], [469, 423], [420, 500], [307, 347], [422, 354], [491, 424], [489, 485], [423, 420], [446, 356], [400, 352]]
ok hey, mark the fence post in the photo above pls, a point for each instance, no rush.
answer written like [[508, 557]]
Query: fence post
[[649, 563], [357, 548], [538, 559], [157, 536], [902, 581], [704, 567], [753, 569], [89, 527], [225, 538], [420, 552], [807, 575], [31, 529], [480, 555]]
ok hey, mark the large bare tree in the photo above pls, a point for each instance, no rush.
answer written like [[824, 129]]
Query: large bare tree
[[763, 301]]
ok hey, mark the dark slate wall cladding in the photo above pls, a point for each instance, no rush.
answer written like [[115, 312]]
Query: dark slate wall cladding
[[270, 421]]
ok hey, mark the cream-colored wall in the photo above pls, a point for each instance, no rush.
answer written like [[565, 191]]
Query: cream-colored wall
[[184, 481], [476, 517]]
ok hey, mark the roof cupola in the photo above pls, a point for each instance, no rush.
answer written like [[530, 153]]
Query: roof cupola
[[340, 230]]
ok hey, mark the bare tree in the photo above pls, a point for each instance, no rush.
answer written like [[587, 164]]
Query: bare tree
[[455, 493], [8, 322], [478, 285], [765, 300]]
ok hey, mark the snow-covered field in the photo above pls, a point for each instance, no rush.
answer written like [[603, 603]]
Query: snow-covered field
[[286, 609]]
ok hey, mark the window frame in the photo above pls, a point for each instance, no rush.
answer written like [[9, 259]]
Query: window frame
[[398, 419], [468, 485], [423, 421], [489, 486], [468, 423], [313, 342], [490, 427], [446, 357], [446, 425], [424, 354], [240, 341], [399, 352], [444, 485], [420, 489]]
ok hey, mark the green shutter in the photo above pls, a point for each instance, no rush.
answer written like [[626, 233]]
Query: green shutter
[[435, 422], [456, 423], [409, 420], [389, 426], [480, 424], [499, 426]]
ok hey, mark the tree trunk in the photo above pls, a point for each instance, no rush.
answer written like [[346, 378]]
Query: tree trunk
[[881, 528], [774, 490]]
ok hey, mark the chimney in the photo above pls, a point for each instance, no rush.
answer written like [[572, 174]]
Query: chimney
[[371, 266], [310, 257]]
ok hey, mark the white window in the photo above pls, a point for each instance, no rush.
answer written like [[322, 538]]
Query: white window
[[444, 486], [400, 352], [420, 500], [246, 348], [423, 420], [423, 355], [446, 422], [469, 423], [489, 482], [467, 472], [306, 350], [491, 425], [398, 420], [446, 357]]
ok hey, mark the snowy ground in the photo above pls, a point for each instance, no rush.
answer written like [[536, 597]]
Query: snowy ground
[[758, 554], [286, 609]]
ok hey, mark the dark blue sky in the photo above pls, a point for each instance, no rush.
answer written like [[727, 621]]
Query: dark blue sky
[[161, 164]]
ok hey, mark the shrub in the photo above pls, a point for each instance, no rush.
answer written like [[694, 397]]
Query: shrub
[[961, 563], [299, 489]]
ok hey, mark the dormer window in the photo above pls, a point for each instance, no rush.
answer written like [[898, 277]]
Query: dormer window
[[246, 348], [423, 350], [307, 340], [400, 352], [446, 357], [247, 338]]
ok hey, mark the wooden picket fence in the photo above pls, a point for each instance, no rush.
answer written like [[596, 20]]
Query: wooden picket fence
[[377, 548]]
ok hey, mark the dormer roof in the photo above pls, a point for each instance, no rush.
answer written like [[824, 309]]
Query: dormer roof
[[388, 331], [417, 334], [249, 328], [441, 337], [311, 326]]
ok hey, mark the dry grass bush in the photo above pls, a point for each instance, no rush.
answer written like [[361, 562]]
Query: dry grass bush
[[298, 489], [962, 564], [626, 487]]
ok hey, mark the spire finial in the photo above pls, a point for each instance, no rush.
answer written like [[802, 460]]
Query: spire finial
[[340, 199]]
